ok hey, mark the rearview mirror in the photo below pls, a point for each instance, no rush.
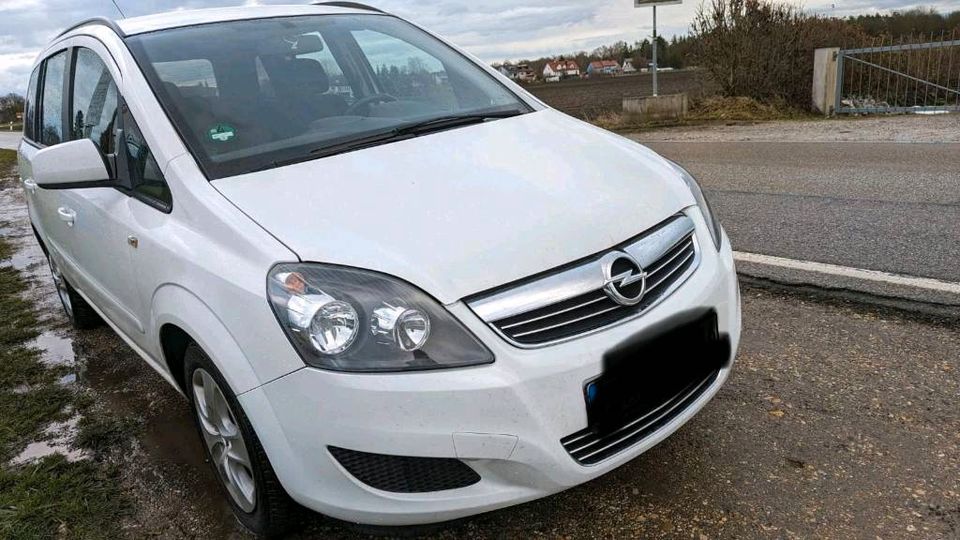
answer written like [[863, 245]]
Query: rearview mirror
[[292, 45], [71, 165]]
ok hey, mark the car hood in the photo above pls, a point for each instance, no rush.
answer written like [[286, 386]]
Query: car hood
[[468, 209]]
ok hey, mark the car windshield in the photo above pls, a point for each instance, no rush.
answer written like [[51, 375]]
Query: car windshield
[[254, 94]]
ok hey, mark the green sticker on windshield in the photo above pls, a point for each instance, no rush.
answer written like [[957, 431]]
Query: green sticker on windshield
[[221, 133]]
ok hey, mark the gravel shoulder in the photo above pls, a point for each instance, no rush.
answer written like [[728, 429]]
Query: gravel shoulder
[[942, 128]]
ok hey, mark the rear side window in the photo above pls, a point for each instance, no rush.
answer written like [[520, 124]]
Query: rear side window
[[30, 107], [51, 104], [94, 102]]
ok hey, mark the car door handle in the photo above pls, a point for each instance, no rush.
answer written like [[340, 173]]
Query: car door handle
[[67, 215], [30, 185]]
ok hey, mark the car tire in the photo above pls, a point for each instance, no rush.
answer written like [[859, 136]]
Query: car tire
[[82, 316], [234, 451]]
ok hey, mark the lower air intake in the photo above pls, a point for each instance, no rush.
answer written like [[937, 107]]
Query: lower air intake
[[402, 474]]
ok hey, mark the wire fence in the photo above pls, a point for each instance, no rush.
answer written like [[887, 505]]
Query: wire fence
[[914, 73]]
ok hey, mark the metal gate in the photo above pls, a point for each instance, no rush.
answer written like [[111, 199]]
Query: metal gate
[[899, 78]]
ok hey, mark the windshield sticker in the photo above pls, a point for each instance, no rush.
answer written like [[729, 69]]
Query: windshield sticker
[[221, 133]]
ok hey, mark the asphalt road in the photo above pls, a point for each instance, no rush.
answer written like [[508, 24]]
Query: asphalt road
[[893, 207], [9, 139]]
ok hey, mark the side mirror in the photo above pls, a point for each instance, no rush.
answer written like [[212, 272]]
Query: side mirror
[[71, 165]]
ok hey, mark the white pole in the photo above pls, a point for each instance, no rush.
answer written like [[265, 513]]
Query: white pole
[[654, 50]]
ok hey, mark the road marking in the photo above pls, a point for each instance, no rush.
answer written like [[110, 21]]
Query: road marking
[[849, 272]]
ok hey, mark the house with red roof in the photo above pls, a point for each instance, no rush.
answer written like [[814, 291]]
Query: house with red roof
[[560, 69]]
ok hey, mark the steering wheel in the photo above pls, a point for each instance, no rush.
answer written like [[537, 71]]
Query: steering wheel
[[368, 100]]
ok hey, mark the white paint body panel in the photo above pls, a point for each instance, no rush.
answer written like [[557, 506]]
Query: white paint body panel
[[465, 210], [455, 213]]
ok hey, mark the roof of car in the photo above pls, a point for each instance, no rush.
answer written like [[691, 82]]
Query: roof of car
[[180, 18]]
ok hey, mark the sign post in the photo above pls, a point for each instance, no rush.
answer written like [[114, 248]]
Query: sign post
[[654, 4]]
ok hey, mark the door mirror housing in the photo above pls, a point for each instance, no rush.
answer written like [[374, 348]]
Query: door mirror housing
[[71, 165]]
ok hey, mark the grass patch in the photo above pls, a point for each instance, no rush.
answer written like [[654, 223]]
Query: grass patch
[[710, 110], [50, 498], [100, 432], [743, 109], [19, 322], [54, 498], [8, 160]]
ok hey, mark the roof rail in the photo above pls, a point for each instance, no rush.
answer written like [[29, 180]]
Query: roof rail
[[96, 20], [352, 5]]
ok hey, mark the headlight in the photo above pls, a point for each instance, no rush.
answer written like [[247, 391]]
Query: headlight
[[715, 230], [346, 319]]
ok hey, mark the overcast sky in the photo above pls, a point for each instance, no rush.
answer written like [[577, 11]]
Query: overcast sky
[[492, 29]]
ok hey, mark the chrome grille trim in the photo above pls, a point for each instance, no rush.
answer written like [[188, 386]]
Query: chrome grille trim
[[552, 314], [588, 447], [565, 323], [576, 293]]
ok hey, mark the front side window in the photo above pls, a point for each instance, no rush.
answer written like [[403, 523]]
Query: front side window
[[51, 102], [252, 94], [405, 71], [142, 170], [94, 101]]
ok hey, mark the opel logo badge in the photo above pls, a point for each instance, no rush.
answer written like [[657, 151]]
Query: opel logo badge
[[621, 272]]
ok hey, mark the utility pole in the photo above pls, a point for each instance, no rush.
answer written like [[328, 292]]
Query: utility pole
[[654, 65], [655, 50]]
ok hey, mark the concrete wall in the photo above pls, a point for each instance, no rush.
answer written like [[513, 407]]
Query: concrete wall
[[655, 108], [825, 79]]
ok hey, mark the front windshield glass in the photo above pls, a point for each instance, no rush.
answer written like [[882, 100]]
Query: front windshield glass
[[249, 95]]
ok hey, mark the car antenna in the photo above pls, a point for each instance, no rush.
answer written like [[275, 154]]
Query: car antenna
[[122, 16]]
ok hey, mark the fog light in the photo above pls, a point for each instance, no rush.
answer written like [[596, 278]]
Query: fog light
[[406, 328]]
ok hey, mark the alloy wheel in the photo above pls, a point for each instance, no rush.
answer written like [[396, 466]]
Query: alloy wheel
[[223, 438]]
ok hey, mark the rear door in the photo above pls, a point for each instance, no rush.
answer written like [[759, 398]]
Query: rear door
[[27, 149], [44, 127]]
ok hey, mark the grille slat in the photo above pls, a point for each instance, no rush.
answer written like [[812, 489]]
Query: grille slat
[[681, 247], [552, 314], [671, 255], [663, 278], [565, 323]]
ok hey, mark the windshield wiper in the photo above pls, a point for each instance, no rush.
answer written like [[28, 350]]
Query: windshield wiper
[[399, 133], [453, 121], [349, 145]]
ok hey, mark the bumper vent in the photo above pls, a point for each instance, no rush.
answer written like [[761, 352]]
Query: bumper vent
[[589, 447], [402, 474], [572, 302]]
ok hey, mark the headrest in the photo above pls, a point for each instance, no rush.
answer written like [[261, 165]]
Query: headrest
[[306, 75]]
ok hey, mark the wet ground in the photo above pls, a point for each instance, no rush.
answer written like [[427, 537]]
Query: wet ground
[[838, 421]]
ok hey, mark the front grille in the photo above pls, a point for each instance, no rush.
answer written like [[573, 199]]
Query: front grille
[[590, 446], [668, 253], [403, 474]]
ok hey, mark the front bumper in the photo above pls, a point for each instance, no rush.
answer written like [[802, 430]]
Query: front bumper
[[505, 419]]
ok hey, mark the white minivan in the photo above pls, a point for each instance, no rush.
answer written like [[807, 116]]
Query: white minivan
[[396, 288]]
